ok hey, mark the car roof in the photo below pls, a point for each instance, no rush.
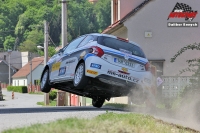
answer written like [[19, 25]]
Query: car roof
[[112, 36]]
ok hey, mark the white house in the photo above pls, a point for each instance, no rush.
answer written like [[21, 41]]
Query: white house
[[23, 76], [146, 23]]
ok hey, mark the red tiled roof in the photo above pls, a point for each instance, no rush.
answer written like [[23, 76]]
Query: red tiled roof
[[25, 70], [131, 13]]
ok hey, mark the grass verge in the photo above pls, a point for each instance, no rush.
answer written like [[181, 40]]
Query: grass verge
[[109, 122], [51, 103]]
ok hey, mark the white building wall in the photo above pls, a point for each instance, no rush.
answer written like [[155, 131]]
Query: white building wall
[[36, 74], [165, 41], [25, 57], [19, 82]]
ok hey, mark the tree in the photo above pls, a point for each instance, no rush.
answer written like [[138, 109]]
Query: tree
[[103, 14], [51, 51], [23, 21], [9, 42]]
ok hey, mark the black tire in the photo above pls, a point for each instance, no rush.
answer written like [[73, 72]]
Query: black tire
[[45, 87], [98, 102], [83, 81]]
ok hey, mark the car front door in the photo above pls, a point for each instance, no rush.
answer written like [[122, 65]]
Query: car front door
[[67, 60]]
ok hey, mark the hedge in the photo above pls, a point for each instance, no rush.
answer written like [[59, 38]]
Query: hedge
[[21, 89], [52, 95]]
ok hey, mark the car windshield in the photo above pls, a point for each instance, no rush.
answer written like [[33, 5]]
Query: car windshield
[[122, 46]]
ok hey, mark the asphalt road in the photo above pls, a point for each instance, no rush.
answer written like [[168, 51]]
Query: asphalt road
[[20, 117]]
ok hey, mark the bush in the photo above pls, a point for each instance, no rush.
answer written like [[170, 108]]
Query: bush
[[21, 89], [52, 95]]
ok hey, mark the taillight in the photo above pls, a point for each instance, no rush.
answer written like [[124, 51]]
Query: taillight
[[97, 51], [147, 66]]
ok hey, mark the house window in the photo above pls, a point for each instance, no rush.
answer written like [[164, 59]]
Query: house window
[[4, 57], [24, 82], [18, 82], [159, 66]]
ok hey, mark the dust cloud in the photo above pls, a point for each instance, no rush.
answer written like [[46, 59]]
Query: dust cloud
[[185, 113]]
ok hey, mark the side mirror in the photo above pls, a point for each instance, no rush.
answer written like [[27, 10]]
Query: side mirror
[[60, 51]]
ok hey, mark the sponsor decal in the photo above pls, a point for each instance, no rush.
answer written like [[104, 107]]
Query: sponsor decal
[[92, 72], [55, 66], [70, 61], [181, 11], [93, 65], [125, 51], [124, 69], [124, 76], [62, 71]]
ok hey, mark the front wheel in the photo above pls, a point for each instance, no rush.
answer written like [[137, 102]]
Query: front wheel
[[98, 102], [80, 80], [44, 85]]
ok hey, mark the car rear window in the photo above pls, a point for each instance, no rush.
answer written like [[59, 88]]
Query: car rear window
[[121, 46]]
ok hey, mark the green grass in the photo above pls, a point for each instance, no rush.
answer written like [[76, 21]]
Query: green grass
[[106, 123], [37, 93], [51, 103]]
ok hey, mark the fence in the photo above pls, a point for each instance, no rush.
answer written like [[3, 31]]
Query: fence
[[173, 85], [34, 88]]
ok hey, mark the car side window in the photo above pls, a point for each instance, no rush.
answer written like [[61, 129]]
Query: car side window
[[73, 45], [86, 40]]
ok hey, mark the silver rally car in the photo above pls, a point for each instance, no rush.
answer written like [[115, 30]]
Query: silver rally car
[[98, 66]]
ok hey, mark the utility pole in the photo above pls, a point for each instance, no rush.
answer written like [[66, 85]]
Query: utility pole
[[9, 69], [64, 38], [64, 22], [30, 69], [9, 54], [46, 37]]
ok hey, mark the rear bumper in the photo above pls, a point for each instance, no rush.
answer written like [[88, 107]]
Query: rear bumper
[[108, 73], [114, 81]]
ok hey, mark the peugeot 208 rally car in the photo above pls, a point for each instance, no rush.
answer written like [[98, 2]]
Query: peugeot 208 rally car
[[98, 66]]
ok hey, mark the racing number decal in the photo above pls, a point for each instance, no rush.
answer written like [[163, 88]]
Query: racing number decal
[[56, 66]]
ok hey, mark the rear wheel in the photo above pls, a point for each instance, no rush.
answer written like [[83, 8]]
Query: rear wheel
[[44, 85], [80, 80], [98, 102]]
